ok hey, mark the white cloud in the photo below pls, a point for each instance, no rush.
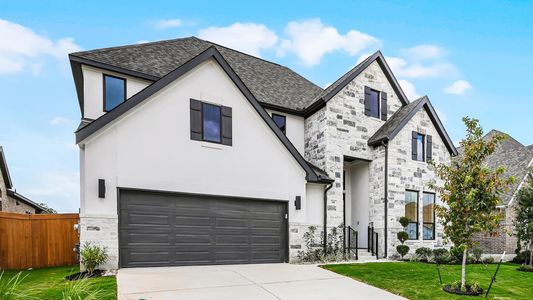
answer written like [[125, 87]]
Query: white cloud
[[60, 184], [403, 68], [142, 42], [20, 47], [168, 23], [423, 52], [409, 89], [250, 38], [459, 87], [310, 40], [60, 120]]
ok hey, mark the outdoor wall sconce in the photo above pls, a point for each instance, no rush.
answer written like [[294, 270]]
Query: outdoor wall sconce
[[101, 188], [298, 202]]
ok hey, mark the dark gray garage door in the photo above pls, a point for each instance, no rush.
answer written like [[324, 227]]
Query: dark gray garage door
[[168, 229]]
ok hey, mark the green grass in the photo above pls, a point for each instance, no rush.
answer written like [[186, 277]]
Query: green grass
[[49, 283], [415, 280]]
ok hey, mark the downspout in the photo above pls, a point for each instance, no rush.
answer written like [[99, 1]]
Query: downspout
[[386, 191], [325, 243]]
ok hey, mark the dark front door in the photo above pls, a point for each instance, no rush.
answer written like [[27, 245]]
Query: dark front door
[[170, 229]]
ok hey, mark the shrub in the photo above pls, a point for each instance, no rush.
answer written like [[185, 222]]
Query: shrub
[[314, 250], [81, 289], [488, 260], [92, 256], [521, 257], [402, 236], [456, 255], [441, 255], [424, 253], [477, 252], [404, 221], [402, 250]]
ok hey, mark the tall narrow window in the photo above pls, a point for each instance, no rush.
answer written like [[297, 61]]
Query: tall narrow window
[[373, 99], [114, 91], [418, 147], [411, 212], [428, 213], [211, 122], [280, 122]]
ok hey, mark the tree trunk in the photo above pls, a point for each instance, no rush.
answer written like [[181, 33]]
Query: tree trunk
[[530, 255], [463, 269]]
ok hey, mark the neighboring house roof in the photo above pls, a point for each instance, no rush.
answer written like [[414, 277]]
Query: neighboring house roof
[[397, 121], [21, 198], [514, 157], [5, 170], [210, 53], [271, 84], [9, 184]]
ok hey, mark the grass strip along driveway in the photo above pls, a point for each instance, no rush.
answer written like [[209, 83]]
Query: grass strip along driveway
[[416, 280], [49, 283]]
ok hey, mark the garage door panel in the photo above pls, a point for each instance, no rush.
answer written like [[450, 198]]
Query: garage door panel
[[185, 229]]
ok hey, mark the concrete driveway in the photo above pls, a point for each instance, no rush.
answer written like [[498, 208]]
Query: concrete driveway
[[261, 281]]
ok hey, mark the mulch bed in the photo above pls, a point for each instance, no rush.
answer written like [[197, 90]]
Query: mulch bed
[[84, 274], [448, 288]]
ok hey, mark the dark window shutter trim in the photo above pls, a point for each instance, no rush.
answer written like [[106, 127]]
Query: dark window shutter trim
[[383, 106], [227, 135], [367, 101], [196, 120], [414, 145], [429, 148]]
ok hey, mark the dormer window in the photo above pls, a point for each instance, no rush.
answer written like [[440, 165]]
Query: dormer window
[[114, 91]]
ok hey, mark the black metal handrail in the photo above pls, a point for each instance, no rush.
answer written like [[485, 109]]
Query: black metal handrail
[[373, 241], [353, 243]]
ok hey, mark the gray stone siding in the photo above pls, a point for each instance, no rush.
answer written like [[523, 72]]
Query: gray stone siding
[[8, 204], [102, 231], [406, 173], [501, 240], [342, 129]]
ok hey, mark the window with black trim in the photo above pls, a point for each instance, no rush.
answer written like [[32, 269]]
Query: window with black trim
[[211, 122], [281, 122], [428, 216], [114, 91], [418, 146], [411, 212], [373, 103]]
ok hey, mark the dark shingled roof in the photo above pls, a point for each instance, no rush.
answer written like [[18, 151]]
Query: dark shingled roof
[[274, 84], [514, 157], [398, 120], [386, 130]]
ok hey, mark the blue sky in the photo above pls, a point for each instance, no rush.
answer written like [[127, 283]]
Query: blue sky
[[473, 58]]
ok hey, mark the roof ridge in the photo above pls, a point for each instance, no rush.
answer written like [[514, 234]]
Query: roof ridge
[[131, 45]]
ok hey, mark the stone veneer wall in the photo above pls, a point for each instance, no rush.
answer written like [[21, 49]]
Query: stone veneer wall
[[406, 173], [341, 129], [102, 231], [8, 204], [500, 241]]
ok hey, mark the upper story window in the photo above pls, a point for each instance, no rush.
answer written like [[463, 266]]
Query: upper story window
[[421, 147], [114, 91], [211, 123], [280, 121], [411, 212], [375, 103]]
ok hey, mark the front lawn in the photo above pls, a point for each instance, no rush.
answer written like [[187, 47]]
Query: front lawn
[[49, 283], [416, 280]]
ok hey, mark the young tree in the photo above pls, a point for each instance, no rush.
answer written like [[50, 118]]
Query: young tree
[[470, 191], [523, 223]]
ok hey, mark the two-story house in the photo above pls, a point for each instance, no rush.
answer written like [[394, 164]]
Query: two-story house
[[193, 153]]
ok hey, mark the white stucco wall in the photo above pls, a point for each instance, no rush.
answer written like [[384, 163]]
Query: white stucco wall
[[93, 91], [294, 129], [150, 148]]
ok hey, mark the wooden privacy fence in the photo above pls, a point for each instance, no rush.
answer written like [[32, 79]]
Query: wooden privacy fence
[[37, 241]]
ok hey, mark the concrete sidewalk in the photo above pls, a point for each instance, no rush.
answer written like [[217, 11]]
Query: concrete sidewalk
[[259, 281]]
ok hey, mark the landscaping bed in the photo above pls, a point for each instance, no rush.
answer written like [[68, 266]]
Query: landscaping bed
[[50, 283], [416, 280]]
